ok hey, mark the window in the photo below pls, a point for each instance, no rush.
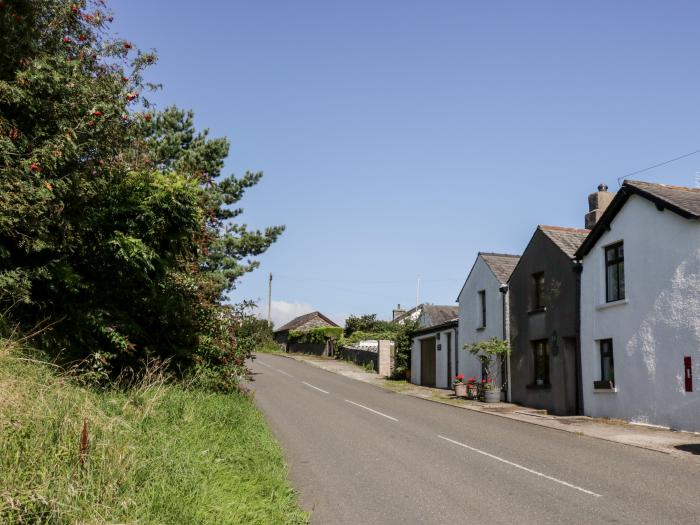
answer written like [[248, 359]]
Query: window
[[482, 309], [541, 362], [538, 291], [607, 365], [614, 272]]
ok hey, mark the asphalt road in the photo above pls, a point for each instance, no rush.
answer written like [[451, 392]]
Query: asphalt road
[[359, 454]]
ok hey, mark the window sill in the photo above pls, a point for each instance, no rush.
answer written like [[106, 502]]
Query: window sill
[[536, 311], [605, 390], [612, 304], [535, 386]]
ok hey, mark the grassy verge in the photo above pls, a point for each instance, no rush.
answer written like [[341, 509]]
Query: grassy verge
[[156, 453]]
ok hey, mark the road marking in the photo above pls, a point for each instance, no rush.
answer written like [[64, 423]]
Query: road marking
[[312, 386], [520, 467], [371, 410], [261, 363], [283, 372]]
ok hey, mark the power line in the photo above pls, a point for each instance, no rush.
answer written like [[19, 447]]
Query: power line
[[657, 165]]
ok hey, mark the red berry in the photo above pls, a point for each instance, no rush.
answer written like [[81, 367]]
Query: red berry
[[127, 45], [125, 79], [82, 38], [97, 113], [131, 96], [67, 39], [74, 8], [35, 167]]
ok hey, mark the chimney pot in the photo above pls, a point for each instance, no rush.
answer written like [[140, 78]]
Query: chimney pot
[[602, 187]]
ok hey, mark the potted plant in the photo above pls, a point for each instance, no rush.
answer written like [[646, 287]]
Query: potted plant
[[490, 352], [460, 386], [472, 388]]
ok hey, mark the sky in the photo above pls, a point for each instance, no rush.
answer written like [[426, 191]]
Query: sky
[[398, 138]]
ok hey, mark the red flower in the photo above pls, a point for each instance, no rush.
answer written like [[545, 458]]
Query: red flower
[[82, 38], [125, 79], [96, 113], [488, 380], [461, 376], [483, 380], [74, 8], [66, 39], [131, 96], [35, 167], [147, 117]]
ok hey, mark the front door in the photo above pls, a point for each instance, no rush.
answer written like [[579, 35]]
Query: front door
[[427, 362], [449, 359]]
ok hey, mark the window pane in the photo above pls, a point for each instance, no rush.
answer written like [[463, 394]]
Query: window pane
[[612, 290], [621, 281]]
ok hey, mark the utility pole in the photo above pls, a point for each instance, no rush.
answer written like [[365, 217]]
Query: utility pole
[[269, 300], [418, 292]]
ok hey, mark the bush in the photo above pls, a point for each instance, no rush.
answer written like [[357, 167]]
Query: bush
[[116, 222]]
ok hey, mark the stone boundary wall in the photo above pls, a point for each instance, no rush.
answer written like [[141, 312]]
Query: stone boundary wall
[[381, 356]]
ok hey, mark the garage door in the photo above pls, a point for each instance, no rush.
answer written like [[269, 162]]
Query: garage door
[[427, 362]]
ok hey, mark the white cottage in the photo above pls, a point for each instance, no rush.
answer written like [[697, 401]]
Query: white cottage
[[640, 308], [483, 303]]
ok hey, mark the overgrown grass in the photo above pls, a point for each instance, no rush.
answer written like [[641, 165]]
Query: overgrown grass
[[157, 453]]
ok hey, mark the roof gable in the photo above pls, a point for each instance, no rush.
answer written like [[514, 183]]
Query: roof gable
[[501, 266], [568, 240], [678, 199], [308, 321]]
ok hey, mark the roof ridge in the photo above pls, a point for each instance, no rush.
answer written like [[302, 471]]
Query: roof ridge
[[662, 185], [499, 254], [563, 229]]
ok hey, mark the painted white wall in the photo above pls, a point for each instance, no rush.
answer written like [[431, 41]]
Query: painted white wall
[[656, 325], [441, 357], [480, 278]]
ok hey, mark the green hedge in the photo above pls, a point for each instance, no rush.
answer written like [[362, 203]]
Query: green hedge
[[315, 335]]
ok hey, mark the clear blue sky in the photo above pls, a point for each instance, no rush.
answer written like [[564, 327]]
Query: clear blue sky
[[400, 138]]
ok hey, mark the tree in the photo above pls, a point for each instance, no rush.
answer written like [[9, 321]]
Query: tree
[[116, 224]]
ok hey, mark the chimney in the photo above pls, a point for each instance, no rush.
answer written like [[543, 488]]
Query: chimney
[[597, 202], [397, 312]]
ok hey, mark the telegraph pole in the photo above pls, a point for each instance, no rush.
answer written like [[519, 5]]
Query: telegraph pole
[[269, 300], [418, 291]]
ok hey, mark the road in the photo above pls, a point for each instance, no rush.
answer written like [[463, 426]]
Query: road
[[359, 454]]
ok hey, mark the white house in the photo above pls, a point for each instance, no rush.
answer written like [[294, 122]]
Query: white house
[[640, 308], [483, 303]]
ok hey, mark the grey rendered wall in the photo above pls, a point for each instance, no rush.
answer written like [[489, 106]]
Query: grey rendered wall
[[527, 326]]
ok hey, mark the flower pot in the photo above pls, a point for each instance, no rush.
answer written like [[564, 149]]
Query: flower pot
[[460, 390], [492, 396], [472, 391]]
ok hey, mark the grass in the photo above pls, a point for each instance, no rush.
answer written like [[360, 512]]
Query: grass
[[156, 453]]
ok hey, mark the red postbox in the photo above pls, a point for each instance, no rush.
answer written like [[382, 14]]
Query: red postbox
[[688, 374]]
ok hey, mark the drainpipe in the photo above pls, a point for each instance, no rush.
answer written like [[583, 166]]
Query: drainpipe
[[457, 348], [578, 268], [506, 336]]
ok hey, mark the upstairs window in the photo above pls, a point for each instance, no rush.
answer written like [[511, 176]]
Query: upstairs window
[[538, 301], [614, 272], [482, 309]]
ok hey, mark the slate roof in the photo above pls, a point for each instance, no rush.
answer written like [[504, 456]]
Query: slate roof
[[433, 314], [567, 239], [501, 264], [310, 320], [684, 200], [678, 199], [438, 314]]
